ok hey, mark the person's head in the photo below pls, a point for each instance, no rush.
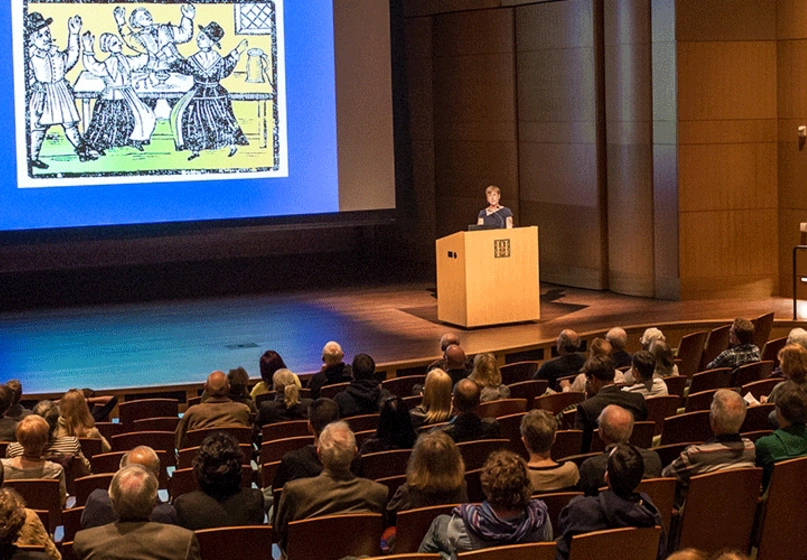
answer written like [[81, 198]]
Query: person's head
[[568, 342], [664, 357], [486, 371], [599, 347], [144, 456], [218, 464], [32, 433], [625, 469], [493, 194], [649, 336], [363, 367], [505, 481], [75, 413], [133, 492], [793, 361], [12, 517], [447, 340], [538, 428], [599, 372], [209, 35], [238, 378], [50, 412], [742, 331], [791, 405], [466, 396], [140, 18], [109, 43], [616, 424], [269, 363], [395, 424], [38, 31], [643, 364], [436, 464], [729, 554], [455, 357], [437, 396], [217, 384], [618, 339], [332, 353], [6, 399], [283, 382], [688, 554], [322, 412], [15, 387], [796, 336], [336, 446], [727, 412]]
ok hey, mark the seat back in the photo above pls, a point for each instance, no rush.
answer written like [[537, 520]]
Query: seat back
[[625, 542], [518, 371], [528, 390], [748, 373], [158, 441], [771, 349], [676, 384], [413, 524], [526, 551], [283, 430], [403, 386], [567, 443], [110, 463], [40, 493], [363, 422], [274, 450], [249, 542], [473, 484], [90, 446], [555, 502], [86, 484], [690, 426], [662, 494], [184, 481], [193, 401], [710, 379], [690, 352], [475, 453], [759, 388], [700, 401], [392, 483], [186, 455], [555, 403], [130, 411], [268, 472], [109, 429], [783, 522], [501, 407], [762, 329], [329, 391], [510, 429], [758, 418], [194, 438], [71, 520], [642, 436], [670, 452], [159, 424], [385, 463], [717, 342], [335, 536], [659, 408]]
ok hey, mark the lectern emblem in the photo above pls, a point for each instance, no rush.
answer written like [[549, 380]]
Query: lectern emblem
[[501, 248]]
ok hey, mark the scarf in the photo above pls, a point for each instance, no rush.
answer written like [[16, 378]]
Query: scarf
[[485, 524]]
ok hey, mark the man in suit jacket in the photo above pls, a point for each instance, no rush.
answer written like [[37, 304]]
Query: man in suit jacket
[[568, 362], [466, 425], [336, 490], [600, 374], [134, 492], [217, 411]]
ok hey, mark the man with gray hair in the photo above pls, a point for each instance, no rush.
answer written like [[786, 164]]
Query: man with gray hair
[[569, 362], [133, 492], [98, 509], [334, 369], [336, 490], [619, 339]]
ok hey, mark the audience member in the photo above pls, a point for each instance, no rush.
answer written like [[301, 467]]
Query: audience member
[[742, 349], [75, 419], [364, 395], [569, 362], [649, 336], [688, 554], [99, 511], [17, 411], [599, 347], [32, 436], [619, 506], [436, 405], [796, 336], [538, 429], [8, 426], [600, 374], [333, 371], [32, 532], [133, 492], [456, 363], [287, 404], [395, 430], [486, 374], [466, 425], [793, 364], [507, 516], [220, 501], [269, 363], [665, 362], [729, 554], [615, 428], [644, 381], [216, 412], [238, 378], [445, 341], [336, 490], [435, 475], [12, 519], [790, 440], [619, 340]]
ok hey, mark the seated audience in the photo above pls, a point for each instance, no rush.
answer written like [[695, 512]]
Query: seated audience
[[133, 492], [486, 374], [790, 440], [448, 339], [99, 511], [287, 404], [538, 429], [619, 340], [75, 419], [395, 430], [599, 347], [466, 425], [615, 428], [619, 506], [456, 363], [32, 532], [269, 363], [600, 375], [645, 382], [364, 395], [796, 336], [17, 411], [13, 516], [238, 378], [336, 490], [665, 362], [333, 371], [569, 361], [507, 516], [8, 426], [435, 475], [649, 336], [793, 364], [216, 412], [220, 500], [742, 349], [32, 436], [436, 405]]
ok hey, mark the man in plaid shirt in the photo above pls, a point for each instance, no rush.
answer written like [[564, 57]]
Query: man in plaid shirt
[[742, 350]]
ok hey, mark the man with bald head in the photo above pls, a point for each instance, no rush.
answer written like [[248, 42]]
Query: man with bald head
[[334, 369], [456, 363], [466, 425], [217, 411], [569, 362], [619, 339], [98, 509], [615, 427]]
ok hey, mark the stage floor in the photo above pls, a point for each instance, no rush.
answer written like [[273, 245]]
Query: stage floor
[[180, 342]]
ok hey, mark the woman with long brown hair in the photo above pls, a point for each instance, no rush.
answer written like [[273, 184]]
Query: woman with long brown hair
[[75, 419]]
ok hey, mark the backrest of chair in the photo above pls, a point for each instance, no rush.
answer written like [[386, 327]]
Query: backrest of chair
[[184, 481], [194, 438], [757, 418], [109, 429], [528, 390], [3, 447], [110, 463], [40, 493], [71, 520], [756, 434], [555, 502], [263, 397], [392, 483], [162, 441], [243, 542], [670, 452], [403, 386], [413, 401], [274, 450], [363, 422], [335, 536], [784, 523], [86, 484], [759, 388], [690, 426], [700, 401], [770, 351], [473, 484], [413, 524], [475, 453], [710, 379], [719, 510], [567, 442], [130, 411], [90, 446], [510, 429], [407, 556], [690, 352], [659, 408], [362, 437], [159, 424], [193, 401], [526, 551], [186, 455], [717, 341], [501, 407], [385, 463], [282, 430], [748, 373], [268, 472], [329, 391], [662, 494], [518, 371], [642, 435], [676, 384], [639, 544], [556, 402], [762, 329]]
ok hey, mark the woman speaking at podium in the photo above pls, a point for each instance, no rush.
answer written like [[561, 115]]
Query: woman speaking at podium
[[495, 215]]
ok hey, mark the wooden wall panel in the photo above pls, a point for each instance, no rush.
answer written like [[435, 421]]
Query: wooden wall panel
[[791, 19], [726, 20]]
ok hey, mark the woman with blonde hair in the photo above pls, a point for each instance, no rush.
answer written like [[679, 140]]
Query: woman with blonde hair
[[486, 374], [75, 419], [287, 404], [436, 405], [793, 361]]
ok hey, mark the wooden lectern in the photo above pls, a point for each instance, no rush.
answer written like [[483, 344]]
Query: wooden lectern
[[488, 277]]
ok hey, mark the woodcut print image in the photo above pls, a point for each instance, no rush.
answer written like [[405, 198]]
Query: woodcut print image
[[171, 90]]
